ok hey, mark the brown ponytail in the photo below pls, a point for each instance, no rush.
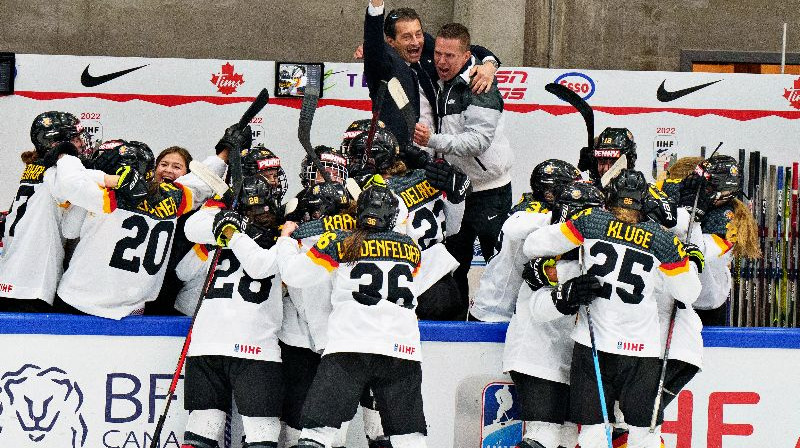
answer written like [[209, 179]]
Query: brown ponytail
[[744, 232], [351, 245]]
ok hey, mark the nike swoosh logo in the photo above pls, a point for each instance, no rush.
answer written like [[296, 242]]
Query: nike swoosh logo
[[93, 81], [666, 96]]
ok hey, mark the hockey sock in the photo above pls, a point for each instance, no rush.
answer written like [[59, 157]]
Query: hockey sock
[[546, 434], [372, 423], [322, 435], [414, 440], [340, 439], [206, 423], [528, 443], [291, 436], [192, 440], [641, 437], [261, 430]]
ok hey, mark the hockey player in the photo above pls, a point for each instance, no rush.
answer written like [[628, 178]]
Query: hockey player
[[538, 347], [234, 350], [627, 256], [126, 237], [728, 227], [429, 192], [500, 282], [33, 252], [373, 337]]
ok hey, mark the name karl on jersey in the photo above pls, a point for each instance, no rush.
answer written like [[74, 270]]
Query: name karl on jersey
[[418, 193], [343, 222], [166, 208], [631, 234], [33, 172], [387, 249]]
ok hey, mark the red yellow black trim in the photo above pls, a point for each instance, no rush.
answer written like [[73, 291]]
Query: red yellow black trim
[[109, 200], [214, 203], [416, 270], [679, 267], [322, 259], [201, 251], [571, 232], [723, 244], [186, 199]]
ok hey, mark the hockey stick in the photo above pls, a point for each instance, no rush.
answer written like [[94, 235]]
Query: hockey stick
[[235, 177], [406, 110], [376, 113], [564, 93], [218, 186], [596, 360], [307, 111], [674, 313], [615, 169]]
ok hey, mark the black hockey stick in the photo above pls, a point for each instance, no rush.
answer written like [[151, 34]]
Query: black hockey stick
[[307, 110], [406, 109], [673, 313], [564, 93], [376, 114], [234, 179]]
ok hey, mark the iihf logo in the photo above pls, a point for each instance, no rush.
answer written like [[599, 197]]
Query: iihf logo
[[44, 405], [501, 426]]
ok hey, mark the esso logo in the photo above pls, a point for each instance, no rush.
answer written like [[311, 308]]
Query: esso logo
[[578, 82]]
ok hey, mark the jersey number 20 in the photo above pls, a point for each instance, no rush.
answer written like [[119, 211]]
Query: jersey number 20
[[151, 261]]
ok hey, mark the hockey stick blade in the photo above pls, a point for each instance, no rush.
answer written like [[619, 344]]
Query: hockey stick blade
[[401, 100], [209, 177], [307, 111], [615, 169], [352, 187], [255, 107], [564, 93]]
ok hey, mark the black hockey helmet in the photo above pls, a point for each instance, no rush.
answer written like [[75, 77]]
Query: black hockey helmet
[[575, 197], [627, 190], [325, 199], [262, 161], [112, 154], [53, 127], [612, 143], [723, 176], [331, 160], [352, 131], [377, 207], [258, 197], [550, 176], [384, 152]]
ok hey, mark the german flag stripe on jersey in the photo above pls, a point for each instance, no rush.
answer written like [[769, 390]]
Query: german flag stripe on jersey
[[571, 232], [186, 200], [215, 202], [723, 244], [679, 267], [415, 271], [109, 200], [322, 259], [201, 251]]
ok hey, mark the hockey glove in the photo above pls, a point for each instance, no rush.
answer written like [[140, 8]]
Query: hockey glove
[[51, 157], [659, 208], [570, 295], [696, 255], [414, 157], [227, 219], [448, 178], [236, 138], [535, 275], [131, 185], [586, 161], [689, 189]]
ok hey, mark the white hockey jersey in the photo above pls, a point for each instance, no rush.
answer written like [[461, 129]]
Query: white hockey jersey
[[538, 341], [120, 261], [502, 277], [33, 247], [628, 259], [243, 309], [719, 239], [373, 298]]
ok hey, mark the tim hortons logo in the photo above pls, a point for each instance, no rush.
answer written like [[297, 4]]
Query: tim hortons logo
[[793, 94], [227, 80], [44, 405]]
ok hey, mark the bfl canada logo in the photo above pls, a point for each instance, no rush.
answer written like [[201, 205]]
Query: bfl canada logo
[[501, 426], [43, 406]]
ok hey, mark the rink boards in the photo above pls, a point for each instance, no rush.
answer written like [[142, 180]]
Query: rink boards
[[104, 382]]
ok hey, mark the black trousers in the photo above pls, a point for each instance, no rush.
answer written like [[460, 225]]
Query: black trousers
[[484, 215]]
